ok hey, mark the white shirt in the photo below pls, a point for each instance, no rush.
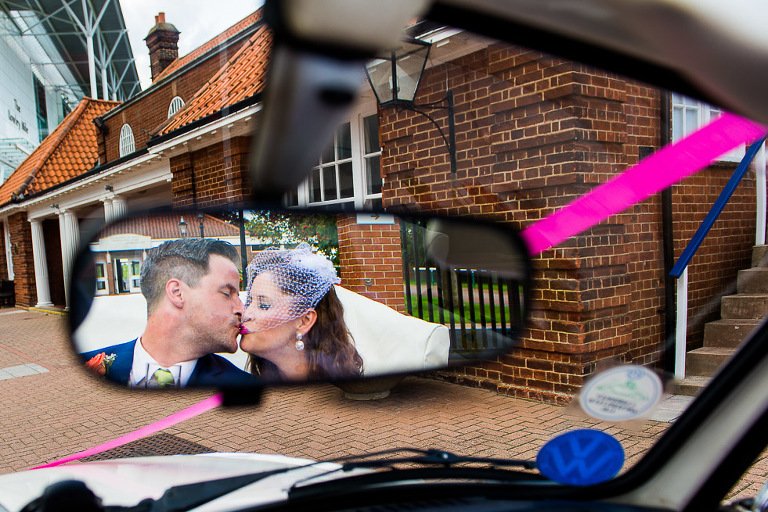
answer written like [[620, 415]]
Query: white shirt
[[144, 366]]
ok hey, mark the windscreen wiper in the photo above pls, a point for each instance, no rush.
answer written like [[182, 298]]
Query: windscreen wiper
[[430, 457], [187, 496], [421, 464]]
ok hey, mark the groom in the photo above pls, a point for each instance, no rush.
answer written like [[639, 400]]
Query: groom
[[193, 310]]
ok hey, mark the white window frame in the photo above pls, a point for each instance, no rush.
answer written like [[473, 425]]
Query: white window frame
[[104, 279], [177, 103], [359, 178], [702, 114], [135, 279], [366, 156], [127, 142]]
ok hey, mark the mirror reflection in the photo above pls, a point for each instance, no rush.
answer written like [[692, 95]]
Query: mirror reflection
[[234, 298]]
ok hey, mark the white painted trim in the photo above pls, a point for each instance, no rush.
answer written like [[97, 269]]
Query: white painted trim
[[7, 248], [223, 123], [362, 109], [82, 184], [41, 267], [126, 144], [681, 327], [761, 196], [92, 194]]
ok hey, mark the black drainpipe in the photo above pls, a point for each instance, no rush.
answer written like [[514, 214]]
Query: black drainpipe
[[670, 317], [194, 181]]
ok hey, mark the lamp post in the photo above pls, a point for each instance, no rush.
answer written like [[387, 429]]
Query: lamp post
[[200, 218], [183, 227], [395, 78]]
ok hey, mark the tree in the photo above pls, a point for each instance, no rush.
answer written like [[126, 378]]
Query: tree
[[281, 229]]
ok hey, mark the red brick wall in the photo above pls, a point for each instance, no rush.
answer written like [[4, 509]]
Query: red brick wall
[[644, 232], [215, 175], [532, 134], [147, 114], [371, 261], [23, 260]]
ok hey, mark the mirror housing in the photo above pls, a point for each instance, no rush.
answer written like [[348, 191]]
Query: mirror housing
[[416, 293]]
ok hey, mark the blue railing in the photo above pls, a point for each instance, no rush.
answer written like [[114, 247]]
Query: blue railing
[[717, 208]]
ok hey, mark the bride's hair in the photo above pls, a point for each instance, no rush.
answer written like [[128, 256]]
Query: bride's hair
[[328, 345]]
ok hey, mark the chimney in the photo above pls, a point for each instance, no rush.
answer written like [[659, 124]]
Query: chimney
[[162, 42]]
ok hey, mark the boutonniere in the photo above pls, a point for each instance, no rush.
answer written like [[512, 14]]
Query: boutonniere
[[100, 363]]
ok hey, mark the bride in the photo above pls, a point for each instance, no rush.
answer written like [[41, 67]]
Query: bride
[[293, 326]]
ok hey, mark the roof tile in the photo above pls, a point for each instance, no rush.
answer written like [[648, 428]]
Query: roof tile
[[70, 150], [240, 78], [166, 226]]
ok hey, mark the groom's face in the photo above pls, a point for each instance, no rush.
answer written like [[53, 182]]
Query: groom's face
[[214, 307]]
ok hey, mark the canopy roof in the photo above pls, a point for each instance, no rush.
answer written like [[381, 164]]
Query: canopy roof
[[59, 28]]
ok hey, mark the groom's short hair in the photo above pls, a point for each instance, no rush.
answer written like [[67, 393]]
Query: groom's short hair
[[185, 259]]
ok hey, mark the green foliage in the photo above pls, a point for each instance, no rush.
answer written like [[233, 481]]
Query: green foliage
[[279, 229]]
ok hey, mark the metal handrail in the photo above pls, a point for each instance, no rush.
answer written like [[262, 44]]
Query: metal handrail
[[680, 269], [717, 208]]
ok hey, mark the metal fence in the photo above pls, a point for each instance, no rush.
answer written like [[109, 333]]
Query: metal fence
[[482, 310]]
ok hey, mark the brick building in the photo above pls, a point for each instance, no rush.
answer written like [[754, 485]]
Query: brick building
[[533, 132], [565, 128]]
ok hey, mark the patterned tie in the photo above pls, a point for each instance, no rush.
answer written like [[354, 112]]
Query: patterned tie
[[162, 378]]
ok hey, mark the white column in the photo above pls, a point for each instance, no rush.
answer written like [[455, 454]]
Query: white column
[[108, 213], [70, 238], [118, 207], [89, 33], [761, 192], [104, 88], [8, 249], [41, 268], [91, 64], [681, 329]]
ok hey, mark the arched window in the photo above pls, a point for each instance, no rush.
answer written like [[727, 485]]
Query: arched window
[[176, 104], [127, 144]]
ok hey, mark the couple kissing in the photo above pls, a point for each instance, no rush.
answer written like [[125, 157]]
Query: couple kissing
[[291, 325]]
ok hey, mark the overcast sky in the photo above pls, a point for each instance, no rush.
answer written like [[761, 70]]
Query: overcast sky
[[197, 20]]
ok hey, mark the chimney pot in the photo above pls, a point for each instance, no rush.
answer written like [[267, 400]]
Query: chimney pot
[[162, 42]]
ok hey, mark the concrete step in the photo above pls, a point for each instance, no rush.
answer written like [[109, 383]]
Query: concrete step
[[753, 280], [690, 386], [706, 361], [744, 306], [760, 256], [727, 333]]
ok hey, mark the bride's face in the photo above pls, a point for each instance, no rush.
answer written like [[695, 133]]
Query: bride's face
[[267, 318]]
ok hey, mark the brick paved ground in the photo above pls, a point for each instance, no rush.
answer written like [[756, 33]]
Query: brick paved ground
[[53, 413]]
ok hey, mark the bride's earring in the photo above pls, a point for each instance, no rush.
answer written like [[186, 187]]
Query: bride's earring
[[299, 341]]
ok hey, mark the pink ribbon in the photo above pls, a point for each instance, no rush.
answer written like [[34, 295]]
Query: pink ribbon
[[653, 174], [169, 421]]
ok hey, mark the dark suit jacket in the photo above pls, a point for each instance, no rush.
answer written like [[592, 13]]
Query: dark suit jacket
[[210, 371]]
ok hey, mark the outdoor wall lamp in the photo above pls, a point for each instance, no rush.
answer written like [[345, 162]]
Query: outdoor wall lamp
[[200, 218], [183, 228], [395, 79]]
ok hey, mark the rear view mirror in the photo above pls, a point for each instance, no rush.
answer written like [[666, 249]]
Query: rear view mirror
[[223, 298]]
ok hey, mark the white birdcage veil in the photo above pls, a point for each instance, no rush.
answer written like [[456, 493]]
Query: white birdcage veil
[[294, 281]]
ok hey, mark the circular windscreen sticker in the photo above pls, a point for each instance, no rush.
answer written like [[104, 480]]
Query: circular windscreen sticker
[[581, 457], [621, 393]]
